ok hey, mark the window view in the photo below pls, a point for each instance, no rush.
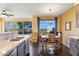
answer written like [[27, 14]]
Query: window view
[[24, 27], [19, 27], [47, 26]]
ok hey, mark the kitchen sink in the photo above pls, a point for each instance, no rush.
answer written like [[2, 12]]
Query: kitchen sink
[[17, 39]]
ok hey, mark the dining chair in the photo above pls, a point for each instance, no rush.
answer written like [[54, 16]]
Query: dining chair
[[51, 40]]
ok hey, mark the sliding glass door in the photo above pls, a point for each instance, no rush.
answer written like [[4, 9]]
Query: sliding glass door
[[19, 27]]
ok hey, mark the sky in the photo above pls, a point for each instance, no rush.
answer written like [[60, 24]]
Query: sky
[[49, 25]]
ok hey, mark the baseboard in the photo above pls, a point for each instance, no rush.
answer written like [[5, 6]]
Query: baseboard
[[65, 44]]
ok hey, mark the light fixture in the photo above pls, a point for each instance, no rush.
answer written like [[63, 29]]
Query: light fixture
[[50, 10], [49, 22]]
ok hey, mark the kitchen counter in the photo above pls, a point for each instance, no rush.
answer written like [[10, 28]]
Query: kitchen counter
[[74, 37], [7, 45]]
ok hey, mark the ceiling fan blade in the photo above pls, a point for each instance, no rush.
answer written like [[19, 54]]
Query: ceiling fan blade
[[3, 13], [9, 15], [6, 14]]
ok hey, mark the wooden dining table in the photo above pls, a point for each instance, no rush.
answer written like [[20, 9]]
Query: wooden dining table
[[44, 40]]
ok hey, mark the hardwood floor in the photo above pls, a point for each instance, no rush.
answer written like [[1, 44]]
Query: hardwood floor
[[35, 50], [63, 51]]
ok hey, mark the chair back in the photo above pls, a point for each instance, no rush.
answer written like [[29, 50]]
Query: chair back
[[51, 37]]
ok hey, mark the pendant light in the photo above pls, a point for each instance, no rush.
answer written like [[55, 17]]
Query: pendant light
[[50, 10]]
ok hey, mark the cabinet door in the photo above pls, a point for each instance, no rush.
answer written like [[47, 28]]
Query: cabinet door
[[26, 47], [21, 49], [73, 47]]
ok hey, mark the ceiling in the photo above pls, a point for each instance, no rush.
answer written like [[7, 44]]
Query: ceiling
[[26, 10]]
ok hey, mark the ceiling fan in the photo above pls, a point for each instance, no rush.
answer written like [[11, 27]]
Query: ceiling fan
[[4, 12]]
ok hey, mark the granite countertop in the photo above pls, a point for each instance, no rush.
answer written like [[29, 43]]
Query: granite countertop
[[75, 37], [6, 45]]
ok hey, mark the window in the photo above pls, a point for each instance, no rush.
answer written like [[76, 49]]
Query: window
[[20, 27], [47, 26]]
